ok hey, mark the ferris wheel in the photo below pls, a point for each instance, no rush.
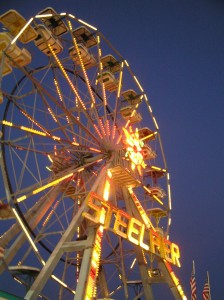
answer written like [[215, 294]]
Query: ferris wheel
[[83, 166]]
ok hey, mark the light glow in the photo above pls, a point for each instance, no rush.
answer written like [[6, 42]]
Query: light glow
[[21, 31], [24, 197], [25, 230]]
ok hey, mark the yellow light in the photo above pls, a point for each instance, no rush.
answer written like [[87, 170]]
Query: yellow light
[[51, 184], [72, 16], [157, 168], [21, 198], [133, 263], [25, 230], [66, 76], [50, 159], [59, 281], [94, 28], [4, 122], [154, 119], [126, 63], [43, 16], [33, 130], [120, 81], [21, 31], [94, 149], [148, 136], [109, 173], [169, 196], [138, 84], [56, 138], [106, 191], [82, 65], [157, 199]]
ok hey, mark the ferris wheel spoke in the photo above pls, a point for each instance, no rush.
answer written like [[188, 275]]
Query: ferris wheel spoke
[[84, 108]]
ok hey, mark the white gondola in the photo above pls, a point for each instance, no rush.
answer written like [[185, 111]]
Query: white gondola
[[84, 36], [132, 97], [146, 134], [110, 63], [148, 153], [156, 191], [15, 56], [44, 38], [129, 113], [22, 59], [87, 58], [53, 21], [109, 80], [14, 22]]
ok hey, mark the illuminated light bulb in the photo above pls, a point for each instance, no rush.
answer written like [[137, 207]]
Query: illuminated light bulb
[[96, 128], [106, 190], [53, 116], [20, 199], [94, 28], [25, 230], [133, 263], [21, 31], [94, 149], [102, 127], [4, 122], [126, 63], [72, 16], [120, 81], [59, 281], [154, 119], [43, 16], [138, 84]]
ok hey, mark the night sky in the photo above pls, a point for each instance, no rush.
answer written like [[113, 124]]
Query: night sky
[[176, 49]]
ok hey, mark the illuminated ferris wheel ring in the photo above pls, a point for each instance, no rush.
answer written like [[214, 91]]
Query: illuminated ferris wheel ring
[[82, 161]]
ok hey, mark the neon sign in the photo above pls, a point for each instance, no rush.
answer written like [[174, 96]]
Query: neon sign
[[102, 213]]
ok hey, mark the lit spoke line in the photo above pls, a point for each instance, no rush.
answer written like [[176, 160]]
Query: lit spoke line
[[71, 84], [44, 187], [149, 136], [82, 65], [46, 92], [47, 135], [21, 31], [25, 230], [62, 100], [154, 196], [96, 253], [28, 116], [103, 89], [54, 117], [36, 250], [67, 77], [117, 99], [93, 105]]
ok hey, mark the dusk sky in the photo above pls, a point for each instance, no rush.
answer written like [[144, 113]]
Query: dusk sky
[[176, 48]]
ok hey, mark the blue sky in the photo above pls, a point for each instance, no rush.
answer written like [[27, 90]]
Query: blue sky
[[175, 47]]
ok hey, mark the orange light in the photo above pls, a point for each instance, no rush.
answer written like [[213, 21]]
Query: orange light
[[106, 191]]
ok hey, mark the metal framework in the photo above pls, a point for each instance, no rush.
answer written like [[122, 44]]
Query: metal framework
[[83, 166]]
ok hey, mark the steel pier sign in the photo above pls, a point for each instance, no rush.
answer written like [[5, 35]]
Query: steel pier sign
[[121, 223]]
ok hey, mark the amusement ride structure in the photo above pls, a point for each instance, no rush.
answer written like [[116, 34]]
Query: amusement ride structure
[[85, 176]]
